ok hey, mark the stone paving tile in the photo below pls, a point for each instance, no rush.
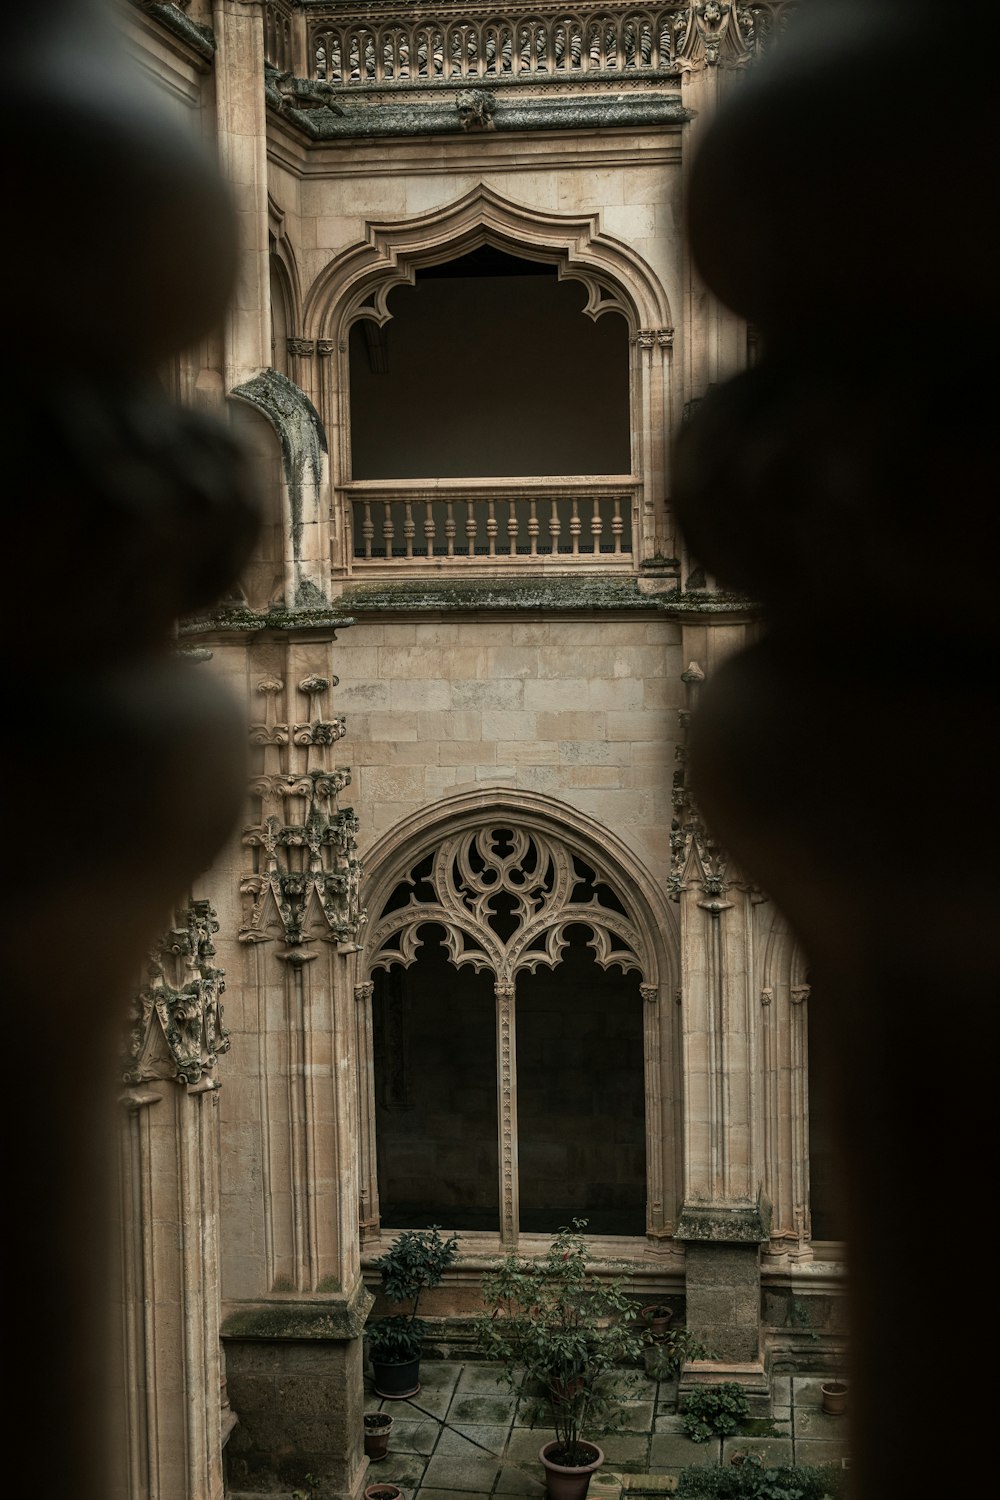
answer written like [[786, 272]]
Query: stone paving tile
[[532, 1412], [426, 1494], [671, 1422], [772, 1450], [472, 1438], [439, 1372], [820, 1452], [637, 1416], [782, 1415], [404, 1469], [625, 1448], [806, 1389], [470, 1476], [809, 1422], [479, 1380], [516, 1480], [524, 1444], [427, 1402], [676, 1452], [411, 1436], [481, 1409], [781, 1390]]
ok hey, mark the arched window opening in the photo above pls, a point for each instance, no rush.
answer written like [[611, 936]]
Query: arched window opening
[[515, 1038], [826, 1208], [489, 368], [434, 1039], [281, 313], [580, 1096]]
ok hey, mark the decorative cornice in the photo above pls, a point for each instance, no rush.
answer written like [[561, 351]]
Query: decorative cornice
[[176, 1023]]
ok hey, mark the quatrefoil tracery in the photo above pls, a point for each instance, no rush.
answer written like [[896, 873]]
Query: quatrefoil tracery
[[506, 899]]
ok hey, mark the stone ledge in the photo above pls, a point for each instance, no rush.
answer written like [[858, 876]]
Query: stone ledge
[[328, 1318]]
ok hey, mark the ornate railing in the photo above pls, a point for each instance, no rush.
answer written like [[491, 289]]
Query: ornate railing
[[476, 523], [371, 45]]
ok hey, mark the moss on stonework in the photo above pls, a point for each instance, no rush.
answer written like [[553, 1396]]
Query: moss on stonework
[[419, 596], [550, 594], [331, 1319], [244, 620]]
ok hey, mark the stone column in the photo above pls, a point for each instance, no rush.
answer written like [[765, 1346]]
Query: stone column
[[725, 1215], [294, 1343], [242, 146], [169, 1211]]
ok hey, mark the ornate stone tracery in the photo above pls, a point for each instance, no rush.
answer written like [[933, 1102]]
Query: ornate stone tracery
[[502, 891], [495, 880], [180, 1006]]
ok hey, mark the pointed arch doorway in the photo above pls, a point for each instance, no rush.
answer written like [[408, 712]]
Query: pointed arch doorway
[[512, 1050]]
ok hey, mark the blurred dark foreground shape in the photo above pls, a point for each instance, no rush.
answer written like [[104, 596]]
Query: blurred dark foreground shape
[[123, 769], [848, 760]]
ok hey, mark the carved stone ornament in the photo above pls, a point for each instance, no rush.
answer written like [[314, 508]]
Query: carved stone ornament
[[305, 844], [180, 1006], [505, 898], [697, 861]]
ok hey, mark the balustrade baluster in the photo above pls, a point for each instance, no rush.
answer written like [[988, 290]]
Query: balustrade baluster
[[449, 526], [575, 527], [512, 528], [388, 530], [617, 525], [555, 527], [596, 526], [409, 528], [429, 528], [532, 528], [492, 526], [367, 528], [470, 527]]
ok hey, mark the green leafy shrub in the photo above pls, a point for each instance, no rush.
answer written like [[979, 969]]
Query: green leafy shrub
[[418, 1259], [715, 1410], [666, 1355], [783, 1482], [552, 1320]]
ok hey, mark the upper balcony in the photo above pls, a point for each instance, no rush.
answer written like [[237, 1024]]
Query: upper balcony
[[392, 46]]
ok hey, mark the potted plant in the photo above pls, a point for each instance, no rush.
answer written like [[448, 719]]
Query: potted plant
[[418, 1259], [551, 1321], [656, 1317], [378, 1425], [834, 1396], [383, 1492]]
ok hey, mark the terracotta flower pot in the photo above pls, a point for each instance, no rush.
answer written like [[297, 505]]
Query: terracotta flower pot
[[383, 1492], [563, 1483], [378, 1425], [658, 1318], [834, 1397]]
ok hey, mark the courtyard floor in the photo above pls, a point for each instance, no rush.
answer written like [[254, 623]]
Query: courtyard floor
[[465, 1435]]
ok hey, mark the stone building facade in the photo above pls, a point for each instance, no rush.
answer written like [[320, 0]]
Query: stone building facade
[[483, 964]]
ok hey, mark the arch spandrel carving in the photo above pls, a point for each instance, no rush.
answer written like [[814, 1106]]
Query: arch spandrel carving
[[358, 282]]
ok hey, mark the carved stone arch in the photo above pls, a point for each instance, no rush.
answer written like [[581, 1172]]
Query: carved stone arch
[[388, 861], [785, 1077], [285, 289], [616, 277], [541, 868]]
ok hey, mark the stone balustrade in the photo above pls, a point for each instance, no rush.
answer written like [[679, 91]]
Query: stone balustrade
[[378, 45], [476, 523]]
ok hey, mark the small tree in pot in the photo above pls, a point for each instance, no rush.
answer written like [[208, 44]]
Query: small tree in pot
[[571, 1332], [418, 1259]]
